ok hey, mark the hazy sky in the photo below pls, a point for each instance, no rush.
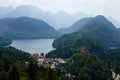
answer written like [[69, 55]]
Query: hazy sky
[[105, 7]]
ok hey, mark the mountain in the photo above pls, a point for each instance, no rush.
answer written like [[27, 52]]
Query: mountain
[[68, 46], [81, 23], [25, 10], [5, 10], [58, 20], [79, 15], [94, 27], [77, 25], [61, 19], [24, 27]]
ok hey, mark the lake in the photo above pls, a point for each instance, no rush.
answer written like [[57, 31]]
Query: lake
[[33, 45]]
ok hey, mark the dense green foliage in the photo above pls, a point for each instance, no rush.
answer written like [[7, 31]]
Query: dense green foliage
[[12, 63], [13, 73], [19, 65], [4, 42], [50, 75], [32, 71], [25, 27], [112, 58], [88, 60], [11, 55], [88, 67], [67, 47]]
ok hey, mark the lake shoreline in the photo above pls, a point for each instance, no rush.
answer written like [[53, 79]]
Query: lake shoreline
[[30, 38], [33, 45]]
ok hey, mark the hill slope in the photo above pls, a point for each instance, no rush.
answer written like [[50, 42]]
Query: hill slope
[[25, 27], [5, 42], [95, 27]]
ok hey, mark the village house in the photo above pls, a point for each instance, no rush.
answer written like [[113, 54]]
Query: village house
[[52, 62], [118, 77], [115, 76]]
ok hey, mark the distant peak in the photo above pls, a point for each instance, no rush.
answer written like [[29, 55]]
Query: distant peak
[[100, 16], [26, 18], [27, 6], [23, 17], [9, 7]]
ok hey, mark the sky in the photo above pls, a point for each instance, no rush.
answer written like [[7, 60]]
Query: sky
[[94, 7]]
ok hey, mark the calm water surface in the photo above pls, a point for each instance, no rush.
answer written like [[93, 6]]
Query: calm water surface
[[34, 45]]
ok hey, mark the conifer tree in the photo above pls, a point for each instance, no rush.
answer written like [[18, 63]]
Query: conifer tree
[[32, 71], [50, 75], [13, 73]]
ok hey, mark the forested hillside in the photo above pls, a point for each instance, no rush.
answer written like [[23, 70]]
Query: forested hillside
[[24, 27], [98, 28], [5, 42]]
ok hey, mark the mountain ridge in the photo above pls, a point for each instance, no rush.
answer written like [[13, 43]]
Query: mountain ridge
[[57, 20], [25, 27], [97, 28]]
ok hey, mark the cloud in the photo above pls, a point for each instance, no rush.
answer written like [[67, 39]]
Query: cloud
[[93, 1], [107, 7], [16, 3], [83, 1], [101, 1]]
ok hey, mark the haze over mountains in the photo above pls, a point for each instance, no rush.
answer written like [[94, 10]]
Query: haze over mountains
[[5, 10], [114, 21], [58, 20], [68, 23], [83, 22]]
